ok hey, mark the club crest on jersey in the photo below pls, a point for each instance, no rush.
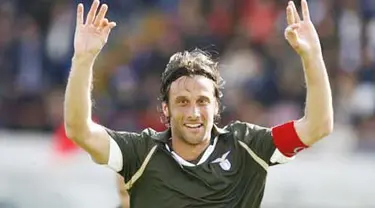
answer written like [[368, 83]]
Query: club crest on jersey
[[223, 161]]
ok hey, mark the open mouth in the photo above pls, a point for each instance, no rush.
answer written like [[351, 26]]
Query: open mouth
[[193, 126]]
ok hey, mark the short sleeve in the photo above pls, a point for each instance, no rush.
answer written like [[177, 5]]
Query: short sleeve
[[259, 139], [134, 148]]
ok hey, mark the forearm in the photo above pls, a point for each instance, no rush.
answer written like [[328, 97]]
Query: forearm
[[318, 118], [77, 106]]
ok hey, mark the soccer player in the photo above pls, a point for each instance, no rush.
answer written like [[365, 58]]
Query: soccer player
[[194, 163]]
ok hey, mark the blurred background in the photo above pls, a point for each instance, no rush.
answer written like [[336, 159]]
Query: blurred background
[[40, 168]]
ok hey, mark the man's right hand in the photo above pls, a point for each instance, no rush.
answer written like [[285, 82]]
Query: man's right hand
[[91, 36], [89, 39]]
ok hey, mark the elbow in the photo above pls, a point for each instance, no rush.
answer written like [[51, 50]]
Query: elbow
[[75, 131], [327, 128], [311, 132], [70, 133], [322, 130]]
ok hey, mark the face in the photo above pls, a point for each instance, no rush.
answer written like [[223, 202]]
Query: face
[[191, 109]]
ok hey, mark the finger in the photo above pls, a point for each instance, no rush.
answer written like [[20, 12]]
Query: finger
[[92, 12], [80, 14], [295, 26], [305, 10], [291, 33], [104, 23], [295, 12], [289, 15], [292, 39], [109, 27], [101, 15], [106, 30]]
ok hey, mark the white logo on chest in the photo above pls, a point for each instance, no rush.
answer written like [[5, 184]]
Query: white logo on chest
[[223, 161]]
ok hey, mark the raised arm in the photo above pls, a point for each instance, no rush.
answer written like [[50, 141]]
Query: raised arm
[[89, 39], [302, 36]]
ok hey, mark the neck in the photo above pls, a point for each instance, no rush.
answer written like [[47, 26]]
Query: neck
[[188, 151]]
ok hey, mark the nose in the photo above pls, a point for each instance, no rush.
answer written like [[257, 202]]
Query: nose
[[194, 112]]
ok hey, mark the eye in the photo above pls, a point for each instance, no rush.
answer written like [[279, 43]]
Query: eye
[[203, 101], [182, 101]]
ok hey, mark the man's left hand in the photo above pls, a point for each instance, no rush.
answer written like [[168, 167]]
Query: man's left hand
[[301, 33]]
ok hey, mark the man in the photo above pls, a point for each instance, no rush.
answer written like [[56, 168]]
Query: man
[[195, 163]]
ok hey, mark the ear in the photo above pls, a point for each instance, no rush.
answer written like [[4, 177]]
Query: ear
[[165, 109]]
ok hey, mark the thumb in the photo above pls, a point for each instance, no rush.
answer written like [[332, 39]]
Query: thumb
[[291, 35]]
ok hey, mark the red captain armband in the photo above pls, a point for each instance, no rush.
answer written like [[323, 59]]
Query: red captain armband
[[286, 139]]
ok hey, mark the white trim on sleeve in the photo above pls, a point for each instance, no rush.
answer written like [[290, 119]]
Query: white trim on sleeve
[[278, 157], [115, 156]]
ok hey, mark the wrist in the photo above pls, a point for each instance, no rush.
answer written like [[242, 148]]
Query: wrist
[[83, 58], [311, 56]]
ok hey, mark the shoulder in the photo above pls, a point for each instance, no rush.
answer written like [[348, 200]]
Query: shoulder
[[144, 139], [240, 128], [147, 133]]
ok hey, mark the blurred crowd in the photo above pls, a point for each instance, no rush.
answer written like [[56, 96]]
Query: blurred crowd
[[264, 76]]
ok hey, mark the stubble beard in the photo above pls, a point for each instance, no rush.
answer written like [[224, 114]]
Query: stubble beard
[[181, 134]]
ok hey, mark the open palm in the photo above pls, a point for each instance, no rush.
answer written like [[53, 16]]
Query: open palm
[[91, 36], [301, 34]]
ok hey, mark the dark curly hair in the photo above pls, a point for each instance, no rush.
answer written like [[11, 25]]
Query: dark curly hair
[[190, 63]]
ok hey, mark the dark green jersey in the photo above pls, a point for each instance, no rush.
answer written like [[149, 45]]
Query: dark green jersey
[[232, 172]]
